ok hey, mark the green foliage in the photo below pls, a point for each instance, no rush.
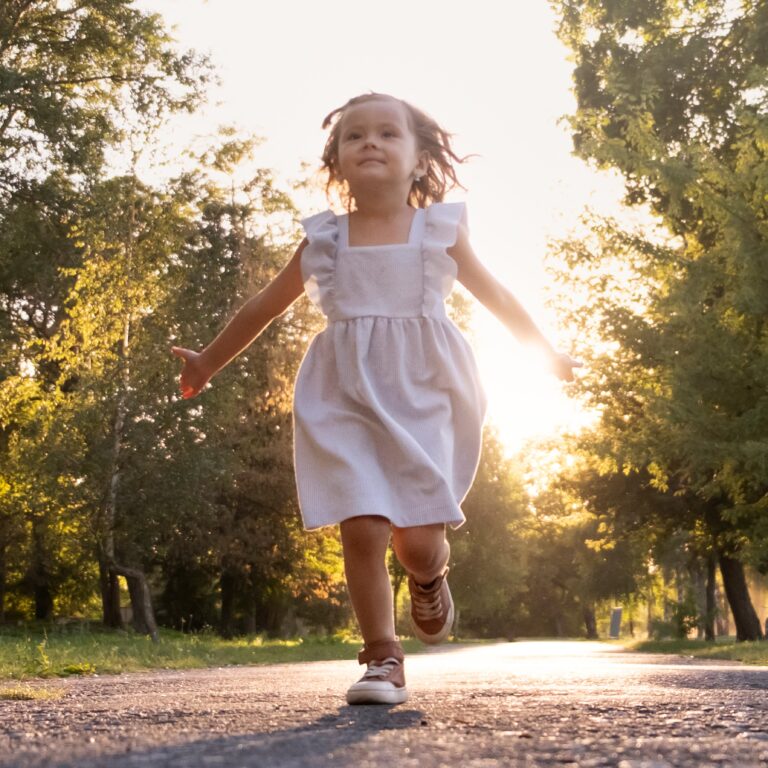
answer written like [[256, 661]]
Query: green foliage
[[669, 316], [673, 95], [69, 74], [74, 80], [579, 559], [99, 276], [684, 619], [487, 552], [39, 663]]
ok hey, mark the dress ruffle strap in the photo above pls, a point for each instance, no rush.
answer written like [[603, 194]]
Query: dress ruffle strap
[[318, 259], [440, 233]]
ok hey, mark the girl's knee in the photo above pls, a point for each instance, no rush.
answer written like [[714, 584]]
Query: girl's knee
[[422, 548], [365, 536]]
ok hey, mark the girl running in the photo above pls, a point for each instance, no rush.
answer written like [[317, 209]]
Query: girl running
[[388, 404]]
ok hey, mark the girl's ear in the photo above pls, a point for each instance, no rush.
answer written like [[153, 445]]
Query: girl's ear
[[423, 164]]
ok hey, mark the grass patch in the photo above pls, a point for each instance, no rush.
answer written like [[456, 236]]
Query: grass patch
[[25, 693], [60, 652], [724, 648]]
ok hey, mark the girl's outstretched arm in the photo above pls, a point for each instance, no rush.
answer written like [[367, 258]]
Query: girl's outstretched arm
[[251, 319], [493, 295]]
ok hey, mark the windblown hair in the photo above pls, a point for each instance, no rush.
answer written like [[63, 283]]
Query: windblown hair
[[431, 187]]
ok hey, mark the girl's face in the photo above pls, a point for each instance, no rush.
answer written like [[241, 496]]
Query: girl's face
[[377, 147]]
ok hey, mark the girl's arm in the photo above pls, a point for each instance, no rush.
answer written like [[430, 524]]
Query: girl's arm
[[493, 295], [251, 319]]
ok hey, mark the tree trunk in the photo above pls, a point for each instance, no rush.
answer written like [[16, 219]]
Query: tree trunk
[[397, 582], [711, 603], [723, 615], [398, 579], [698, 576], [747, 624], [40, 574], [43, 602], [250, 616], [141, 600], [590, 622], [3, 578], [110, 596], [649, 612], [226, 626], [110, 592]]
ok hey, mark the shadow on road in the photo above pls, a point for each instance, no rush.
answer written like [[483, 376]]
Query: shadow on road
[[311, 744], [709, 679]]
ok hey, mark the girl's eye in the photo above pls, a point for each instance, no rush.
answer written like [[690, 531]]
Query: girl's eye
[[354, 135]]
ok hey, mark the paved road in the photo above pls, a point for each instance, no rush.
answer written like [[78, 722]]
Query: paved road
[[510, 704]]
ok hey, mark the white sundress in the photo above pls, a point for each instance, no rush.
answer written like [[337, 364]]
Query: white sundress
[[388, 405]]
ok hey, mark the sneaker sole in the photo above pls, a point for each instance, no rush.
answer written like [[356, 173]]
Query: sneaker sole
[[389, 695], [441, 635]]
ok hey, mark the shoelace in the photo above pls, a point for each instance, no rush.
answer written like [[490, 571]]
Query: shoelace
[[428, 606], [381, 668]]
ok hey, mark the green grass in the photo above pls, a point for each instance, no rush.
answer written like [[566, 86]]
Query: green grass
[[59, 652], [25, 693], [723, 648]]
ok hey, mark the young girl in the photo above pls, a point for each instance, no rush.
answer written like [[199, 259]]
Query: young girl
[[388, 405]]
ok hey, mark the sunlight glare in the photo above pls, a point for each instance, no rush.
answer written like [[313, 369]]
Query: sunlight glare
[[525, 401], [523, 185]]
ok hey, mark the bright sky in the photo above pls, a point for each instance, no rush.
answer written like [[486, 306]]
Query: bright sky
[[493, 74]]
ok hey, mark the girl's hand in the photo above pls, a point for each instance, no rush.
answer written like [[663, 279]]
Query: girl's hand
[[193, 376], [562, 365]]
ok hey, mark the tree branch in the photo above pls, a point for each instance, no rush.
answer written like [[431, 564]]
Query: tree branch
[[4, 127], [80, 81], [23, 6]]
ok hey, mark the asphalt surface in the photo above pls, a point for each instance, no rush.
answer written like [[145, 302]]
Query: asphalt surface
[[507, 704]]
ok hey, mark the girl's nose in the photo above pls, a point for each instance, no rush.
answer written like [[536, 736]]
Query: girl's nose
[[370, 142]]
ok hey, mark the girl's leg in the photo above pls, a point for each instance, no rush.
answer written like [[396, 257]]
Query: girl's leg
[[365, 541], [422, 550]]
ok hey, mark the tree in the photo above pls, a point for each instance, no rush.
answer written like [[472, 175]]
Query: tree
[[73, 77], [673, 95], [487, 552], [67, 69]]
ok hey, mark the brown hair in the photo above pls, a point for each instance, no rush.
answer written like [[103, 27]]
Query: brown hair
[[432, 186]]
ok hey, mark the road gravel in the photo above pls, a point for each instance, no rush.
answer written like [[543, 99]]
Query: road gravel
[[506, 704]]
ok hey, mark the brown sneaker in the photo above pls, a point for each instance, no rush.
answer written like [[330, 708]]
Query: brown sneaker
[[384, 680], [431, 609]]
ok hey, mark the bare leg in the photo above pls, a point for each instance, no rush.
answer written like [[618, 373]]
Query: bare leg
[[365, 541], [422, 550]]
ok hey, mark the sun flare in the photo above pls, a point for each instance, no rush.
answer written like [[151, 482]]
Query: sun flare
[[525, 401]]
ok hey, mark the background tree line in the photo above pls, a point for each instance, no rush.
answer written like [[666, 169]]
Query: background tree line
[[107, 477], [670, 316]]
